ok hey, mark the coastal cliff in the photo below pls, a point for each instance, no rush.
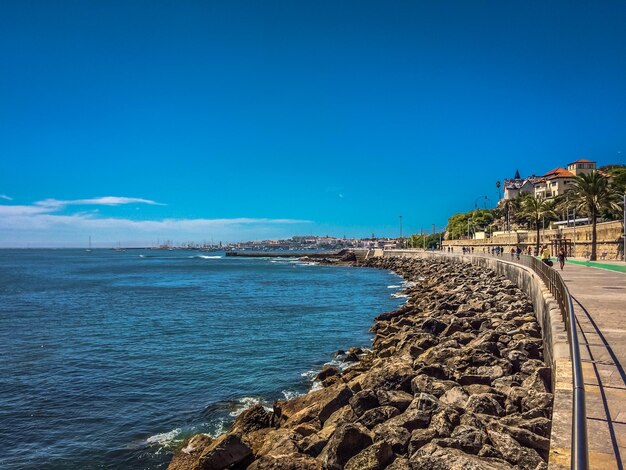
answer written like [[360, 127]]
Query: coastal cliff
[[455, 379]]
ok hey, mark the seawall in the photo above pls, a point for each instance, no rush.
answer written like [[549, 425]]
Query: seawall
[[456, 379], [556, 348]]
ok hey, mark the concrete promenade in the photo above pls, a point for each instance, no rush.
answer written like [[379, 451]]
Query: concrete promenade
[[600, 307]]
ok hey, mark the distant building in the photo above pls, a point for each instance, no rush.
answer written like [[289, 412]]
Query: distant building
[[580, 167], [553, 183], [517, 185]]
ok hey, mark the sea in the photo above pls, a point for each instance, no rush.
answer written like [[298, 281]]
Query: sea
[[109, 359]]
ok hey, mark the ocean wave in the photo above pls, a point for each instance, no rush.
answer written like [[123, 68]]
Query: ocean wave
[[399, 295], [247, 402], [206, 257], [165, 439], [394, 287], [290, 394]]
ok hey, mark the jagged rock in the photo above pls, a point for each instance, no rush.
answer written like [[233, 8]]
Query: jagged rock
[[513, 452], [320, 404], [327, 371], [286, 462], [434, 457], [539, 380], [375, 457], [537, 400], [419, 438], [226, 450], [252, 419], [523, 436], [456, 397], [484, 403], [444, 421], [469, 439], [197, 443], [377, 415], [399, 463], [393, 434], [424, 383], [433, 326], [396, 398], [347, 441], [363, 401]]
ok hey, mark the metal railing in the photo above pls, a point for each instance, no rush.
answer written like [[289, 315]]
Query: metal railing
[[555, 284]]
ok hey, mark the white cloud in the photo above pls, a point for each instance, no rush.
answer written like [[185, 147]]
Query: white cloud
[[42, 224], [98, 201], [4, 196]]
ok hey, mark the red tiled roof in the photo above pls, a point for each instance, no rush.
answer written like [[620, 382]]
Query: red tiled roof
[[559, 173], [582, 160]]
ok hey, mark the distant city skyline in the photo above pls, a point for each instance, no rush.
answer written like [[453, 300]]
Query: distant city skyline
[[130, 122]]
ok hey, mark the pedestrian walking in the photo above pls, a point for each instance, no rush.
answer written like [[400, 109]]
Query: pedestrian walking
[[545, 255], [561, 257]]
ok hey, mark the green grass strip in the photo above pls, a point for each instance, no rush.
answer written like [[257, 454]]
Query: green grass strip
[[594, 264]]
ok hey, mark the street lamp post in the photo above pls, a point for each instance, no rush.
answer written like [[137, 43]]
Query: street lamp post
[[401, 244], [624, 230]]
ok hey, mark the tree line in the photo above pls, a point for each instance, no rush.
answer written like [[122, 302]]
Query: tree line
[[589, 194]]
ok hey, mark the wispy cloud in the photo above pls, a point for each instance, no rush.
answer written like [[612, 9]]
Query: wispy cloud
[[97, 201], [42, 222], [5, 197]]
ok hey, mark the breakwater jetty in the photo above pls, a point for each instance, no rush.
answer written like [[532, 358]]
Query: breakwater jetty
[[456, 378], [286, 254]]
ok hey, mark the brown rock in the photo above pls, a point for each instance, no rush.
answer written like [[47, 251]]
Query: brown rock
[[434, 457], [375, 457], [321, 403], [226, 450], [347, 441]]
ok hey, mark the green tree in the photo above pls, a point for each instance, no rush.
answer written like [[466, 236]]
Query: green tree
[[592, 194], [537, 210]]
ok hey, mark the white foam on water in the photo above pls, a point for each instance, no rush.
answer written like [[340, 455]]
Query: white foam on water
[[394, 287], [244, 403], [290, 394], [399, 296], [164, 439]]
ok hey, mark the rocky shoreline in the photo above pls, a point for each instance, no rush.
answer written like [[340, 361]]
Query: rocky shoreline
[[455, 380]]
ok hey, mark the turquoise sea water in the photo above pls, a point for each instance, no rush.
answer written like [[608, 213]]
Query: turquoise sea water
[[108, 359]]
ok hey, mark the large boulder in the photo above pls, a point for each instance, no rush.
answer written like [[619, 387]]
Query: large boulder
[[226, 450], [375, 457], [347, 441], [434, 457], [320, 404]]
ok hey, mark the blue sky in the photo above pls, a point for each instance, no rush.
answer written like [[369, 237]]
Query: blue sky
[[133, 121]]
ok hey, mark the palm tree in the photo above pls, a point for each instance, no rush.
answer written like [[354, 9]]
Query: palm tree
[[537, 209], [592, 194]]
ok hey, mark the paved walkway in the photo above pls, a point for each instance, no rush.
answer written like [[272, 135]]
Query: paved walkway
[[600, 308]]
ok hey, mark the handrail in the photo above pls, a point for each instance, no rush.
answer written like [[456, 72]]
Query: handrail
[[554, 282]]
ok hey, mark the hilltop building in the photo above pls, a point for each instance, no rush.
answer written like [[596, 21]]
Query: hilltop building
[[555, 182], [517, 185]]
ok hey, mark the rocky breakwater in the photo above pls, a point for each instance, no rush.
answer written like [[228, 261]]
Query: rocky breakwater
[[455, 380]]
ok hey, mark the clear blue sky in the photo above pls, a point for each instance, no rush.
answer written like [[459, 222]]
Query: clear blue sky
[[244, 120]]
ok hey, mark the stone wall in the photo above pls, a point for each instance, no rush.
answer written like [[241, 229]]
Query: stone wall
[[609, 245]]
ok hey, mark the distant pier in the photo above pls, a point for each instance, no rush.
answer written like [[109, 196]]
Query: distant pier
[[287, 254]]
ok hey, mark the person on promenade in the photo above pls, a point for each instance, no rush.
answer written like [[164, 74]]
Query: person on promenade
[[561, 257], [530, 251], [518, 252], [512, 252], [545, 255]]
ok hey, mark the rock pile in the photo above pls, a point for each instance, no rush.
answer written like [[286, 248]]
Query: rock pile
[[455, 380]]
